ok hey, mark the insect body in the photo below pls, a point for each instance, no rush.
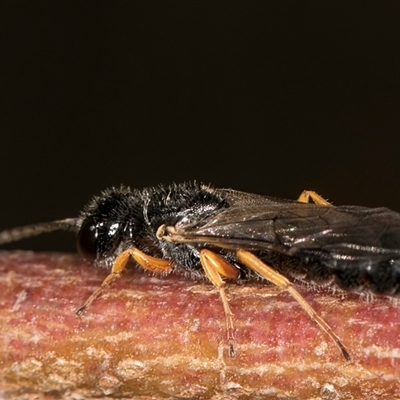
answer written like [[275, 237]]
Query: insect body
[[222, 233]]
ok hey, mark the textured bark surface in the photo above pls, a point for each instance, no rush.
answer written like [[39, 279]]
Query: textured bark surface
[[165, 337]]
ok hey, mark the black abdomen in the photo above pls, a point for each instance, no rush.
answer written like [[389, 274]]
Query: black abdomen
[[378, 275], [381, 276]]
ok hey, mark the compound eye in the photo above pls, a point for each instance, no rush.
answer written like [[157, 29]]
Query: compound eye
[[87, 242]]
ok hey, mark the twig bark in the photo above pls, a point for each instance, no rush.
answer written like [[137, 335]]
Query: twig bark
[[150, 337]]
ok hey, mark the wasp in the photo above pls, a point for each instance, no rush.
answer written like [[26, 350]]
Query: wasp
[[223, 234]]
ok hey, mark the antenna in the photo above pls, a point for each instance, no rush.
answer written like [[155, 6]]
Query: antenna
[[15, 234]]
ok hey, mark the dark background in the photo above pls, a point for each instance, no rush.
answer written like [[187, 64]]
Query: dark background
[[266, 97]]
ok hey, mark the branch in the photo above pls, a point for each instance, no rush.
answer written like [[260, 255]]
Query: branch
[[149, 337]]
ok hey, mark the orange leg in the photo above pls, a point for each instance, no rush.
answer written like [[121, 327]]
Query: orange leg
[[214, 267], [149, 263], [254, 263], [306, 195]]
